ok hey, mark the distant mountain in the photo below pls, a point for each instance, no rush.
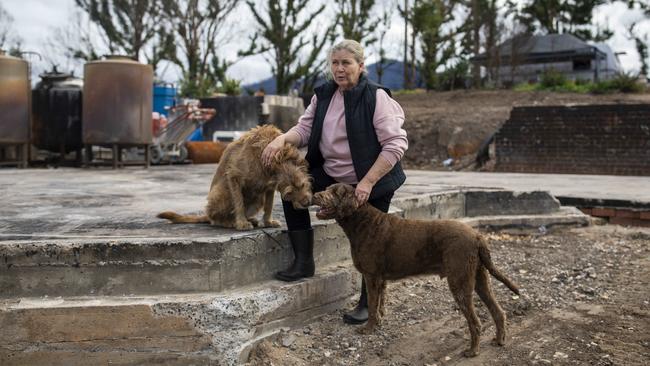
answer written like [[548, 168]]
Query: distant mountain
[[392, 78]]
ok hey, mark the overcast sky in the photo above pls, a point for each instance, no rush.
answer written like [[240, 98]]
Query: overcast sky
[[36, 20]]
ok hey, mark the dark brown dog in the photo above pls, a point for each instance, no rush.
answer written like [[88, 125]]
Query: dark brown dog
[[386, 247]]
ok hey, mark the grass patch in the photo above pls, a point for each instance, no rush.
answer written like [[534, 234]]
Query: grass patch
[[408, 91], [554, 81]]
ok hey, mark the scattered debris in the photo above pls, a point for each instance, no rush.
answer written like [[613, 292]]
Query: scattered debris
[[583, 301]]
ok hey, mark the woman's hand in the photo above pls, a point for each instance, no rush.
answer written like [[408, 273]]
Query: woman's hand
[[362, 192], [271, 150]]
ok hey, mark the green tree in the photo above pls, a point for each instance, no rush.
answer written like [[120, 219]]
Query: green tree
[[431, 21], [564, 16], [128, 26], [280, 33], [357, 21], [196, 26]]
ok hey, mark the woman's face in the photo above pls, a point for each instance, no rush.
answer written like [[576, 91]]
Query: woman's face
[[345, 69]]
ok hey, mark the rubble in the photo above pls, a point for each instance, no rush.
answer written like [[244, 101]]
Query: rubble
[[583, 291]]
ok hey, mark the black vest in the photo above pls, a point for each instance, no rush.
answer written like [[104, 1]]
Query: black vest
[[359, 105]]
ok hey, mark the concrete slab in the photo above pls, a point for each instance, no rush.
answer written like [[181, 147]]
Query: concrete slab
[[98, 203], [74, 232], [633, 189], [69, 232]]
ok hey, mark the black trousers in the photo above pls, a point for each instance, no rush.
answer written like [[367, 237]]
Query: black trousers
[[299, 219]]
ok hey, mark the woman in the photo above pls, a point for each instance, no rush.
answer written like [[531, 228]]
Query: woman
[[352, 130]]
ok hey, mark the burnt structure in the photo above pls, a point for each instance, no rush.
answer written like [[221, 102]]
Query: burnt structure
[[593, 139]]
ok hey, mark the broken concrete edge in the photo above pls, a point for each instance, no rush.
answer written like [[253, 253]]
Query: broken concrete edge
[[605, 203], [148, 268], [527, 224], [233, 321], [457, 204]]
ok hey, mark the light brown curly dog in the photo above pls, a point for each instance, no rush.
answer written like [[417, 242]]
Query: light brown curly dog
[[386, 247], [242, 185]]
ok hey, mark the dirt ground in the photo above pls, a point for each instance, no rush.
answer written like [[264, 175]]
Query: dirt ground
[[454, 124], [585, 301]]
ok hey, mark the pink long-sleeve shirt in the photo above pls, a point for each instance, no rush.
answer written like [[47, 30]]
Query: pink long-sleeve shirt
[[388, 120]]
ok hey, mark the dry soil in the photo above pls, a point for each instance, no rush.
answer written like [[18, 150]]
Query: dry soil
[[454, 124], [585, 301]]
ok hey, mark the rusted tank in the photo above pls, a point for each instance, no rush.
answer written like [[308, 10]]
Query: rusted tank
[[14, 100], [56, 112], [117, 102], [205, 152]]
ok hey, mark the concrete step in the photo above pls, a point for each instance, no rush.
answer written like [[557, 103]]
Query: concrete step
[[188, 329], [148, 266], [117, 266]]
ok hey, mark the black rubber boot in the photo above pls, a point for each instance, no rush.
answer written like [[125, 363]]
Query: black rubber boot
[[302, 242], [359, 314]]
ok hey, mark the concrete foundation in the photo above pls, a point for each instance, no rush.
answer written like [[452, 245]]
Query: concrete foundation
[[88, 275]]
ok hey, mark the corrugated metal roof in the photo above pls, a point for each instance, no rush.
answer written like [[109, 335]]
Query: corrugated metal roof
[[543, 44], [531, 48]]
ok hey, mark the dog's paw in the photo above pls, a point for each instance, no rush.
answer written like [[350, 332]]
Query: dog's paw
[[253, 221], [243, 225], [470, 353], [272, 223]]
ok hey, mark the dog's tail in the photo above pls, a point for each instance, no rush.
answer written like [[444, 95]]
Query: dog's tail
[[486, 260], [183, 219]]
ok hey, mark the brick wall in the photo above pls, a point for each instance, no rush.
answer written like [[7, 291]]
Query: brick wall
[[597, 139]]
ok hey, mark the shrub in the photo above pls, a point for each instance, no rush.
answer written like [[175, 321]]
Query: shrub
[[601, 87], [409, 91], [626, 82], [230, 87], [552, 78], [526, 87]]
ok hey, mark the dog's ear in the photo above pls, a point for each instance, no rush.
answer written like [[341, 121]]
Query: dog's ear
[[286, 191], [340, 190], [347, 201]]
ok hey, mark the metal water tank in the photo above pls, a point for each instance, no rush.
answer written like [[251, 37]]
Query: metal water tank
[[117, 102], [56, 112], [14, 100]]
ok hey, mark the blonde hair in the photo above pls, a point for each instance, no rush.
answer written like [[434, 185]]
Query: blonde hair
[[350, 45]]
